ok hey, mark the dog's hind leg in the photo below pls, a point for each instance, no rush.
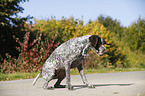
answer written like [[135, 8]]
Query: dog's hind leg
[[45, 86], [57, 84], [60, 75], [48, 76]]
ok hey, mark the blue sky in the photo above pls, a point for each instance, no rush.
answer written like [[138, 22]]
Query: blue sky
[[125, 11]]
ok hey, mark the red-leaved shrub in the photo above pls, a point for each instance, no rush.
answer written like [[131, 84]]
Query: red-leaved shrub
[[32, 54]]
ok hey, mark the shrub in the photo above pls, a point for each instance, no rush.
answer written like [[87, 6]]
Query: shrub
[[71, 28], [32, 55]]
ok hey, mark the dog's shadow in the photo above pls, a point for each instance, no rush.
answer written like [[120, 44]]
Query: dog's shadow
[[100, 85]]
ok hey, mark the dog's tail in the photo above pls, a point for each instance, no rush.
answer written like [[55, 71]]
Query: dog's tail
[[34, 82]]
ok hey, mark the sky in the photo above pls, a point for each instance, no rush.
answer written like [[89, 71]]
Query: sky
[[125, 11]]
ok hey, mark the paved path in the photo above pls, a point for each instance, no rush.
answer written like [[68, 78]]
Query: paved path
[[107, 84]]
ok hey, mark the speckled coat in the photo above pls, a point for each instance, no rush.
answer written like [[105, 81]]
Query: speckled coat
[[73, 52], [69, 55]]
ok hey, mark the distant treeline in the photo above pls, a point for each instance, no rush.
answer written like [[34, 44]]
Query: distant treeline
[[26, 46]]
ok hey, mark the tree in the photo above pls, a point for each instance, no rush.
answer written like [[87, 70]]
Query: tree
[[11, 24], [112, 25], [136, 35]]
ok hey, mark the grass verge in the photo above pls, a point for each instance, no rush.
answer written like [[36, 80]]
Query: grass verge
[[17, 76]]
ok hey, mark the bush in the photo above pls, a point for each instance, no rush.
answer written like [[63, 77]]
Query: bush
[[32, 55], [48, 34], [71, 28]]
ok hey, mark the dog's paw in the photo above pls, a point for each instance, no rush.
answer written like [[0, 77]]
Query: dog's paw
[[59, 86], [70, 87], [50, 88], [45, 86], [91, 86]]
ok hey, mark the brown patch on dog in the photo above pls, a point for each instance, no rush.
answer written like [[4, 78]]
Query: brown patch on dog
[[59, 74]]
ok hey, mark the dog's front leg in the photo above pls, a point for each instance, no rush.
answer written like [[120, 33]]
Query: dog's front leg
[[81, 71], [68, 82]]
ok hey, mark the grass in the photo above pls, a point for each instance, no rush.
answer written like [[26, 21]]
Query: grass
[[17, 76]]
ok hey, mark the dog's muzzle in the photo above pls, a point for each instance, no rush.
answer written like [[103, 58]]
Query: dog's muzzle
[[99, 53], [102, 53], [96, 51]]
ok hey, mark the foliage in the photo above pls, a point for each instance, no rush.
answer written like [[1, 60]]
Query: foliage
[[112, 25], [64, 27], [35, 46], [71, 28], [9, 10], [136, 35], [11, 24], [32, 55], [129, 40]]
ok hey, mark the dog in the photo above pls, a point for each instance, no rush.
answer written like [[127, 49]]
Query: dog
[[69, 55]]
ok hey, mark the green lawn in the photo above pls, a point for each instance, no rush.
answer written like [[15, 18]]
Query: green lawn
[[16, 76]]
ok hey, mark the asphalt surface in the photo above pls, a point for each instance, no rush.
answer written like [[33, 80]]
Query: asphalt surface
[[107, 84]]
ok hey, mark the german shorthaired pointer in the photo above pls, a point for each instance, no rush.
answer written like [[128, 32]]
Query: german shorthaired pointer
[[69, 55]]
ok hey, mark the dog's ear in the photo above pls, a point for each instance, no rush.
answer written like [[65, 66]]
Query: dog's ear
[[94, 40]]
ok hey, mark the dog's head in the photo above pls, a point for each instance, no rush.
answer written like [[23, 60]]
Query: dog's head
[[97, 44]]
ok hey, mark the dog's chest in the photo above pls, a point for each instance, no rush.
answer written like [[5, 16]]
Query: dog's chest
[[77, 62]]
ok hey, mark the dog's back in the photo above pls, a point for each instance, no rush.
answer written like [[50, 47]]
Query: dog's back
[[67, 51]]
